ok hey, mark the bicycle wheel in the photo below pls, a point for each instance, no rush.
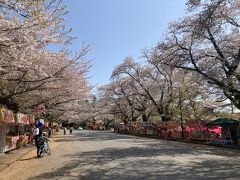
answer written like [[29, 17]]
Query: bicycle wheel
[[48, 151], [41, 152]]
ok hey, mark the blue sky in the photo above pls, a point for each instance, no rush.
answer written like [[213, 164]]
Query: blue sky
[[119, 28]]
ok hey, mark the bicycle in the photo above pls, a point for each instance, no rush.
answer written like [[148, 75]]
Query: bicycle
[[43, 147]]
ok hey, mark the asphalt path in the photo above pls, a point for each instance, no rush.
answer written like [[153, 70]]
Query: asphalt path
[[94, 155]]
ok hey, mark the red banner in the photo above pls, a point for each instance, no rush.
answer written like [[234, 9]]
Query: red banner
[[7, 116], [23, 118]]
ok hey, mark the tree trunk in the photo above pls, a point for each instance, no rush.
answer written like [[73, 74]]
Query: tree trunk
[[144, 117]]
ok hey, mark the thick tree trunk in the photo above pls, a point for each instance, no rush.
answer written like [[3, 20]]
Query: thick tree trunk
[[144, 117]]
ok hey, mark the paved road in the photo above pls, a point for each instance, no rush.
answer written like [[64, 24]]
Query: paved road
[[100, 155]]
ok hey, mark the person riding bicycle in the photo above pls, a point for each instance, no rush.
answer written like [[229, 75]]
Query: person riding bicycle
[[42, 140]]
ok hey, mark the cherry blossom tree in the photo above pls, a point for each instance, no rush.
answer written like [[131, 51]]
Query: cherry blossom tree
[[117, 103], [154, 86], [32, 74], [207, 42], [195, 66]]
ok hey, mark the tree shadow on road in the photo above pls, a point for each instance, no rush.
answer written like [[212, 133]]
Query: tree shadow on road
[[91, 136], [103, 136], [148, 159]]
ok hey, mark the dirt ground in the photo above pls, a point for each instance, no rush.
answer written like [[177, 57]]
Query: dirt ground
[[102, 155]]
